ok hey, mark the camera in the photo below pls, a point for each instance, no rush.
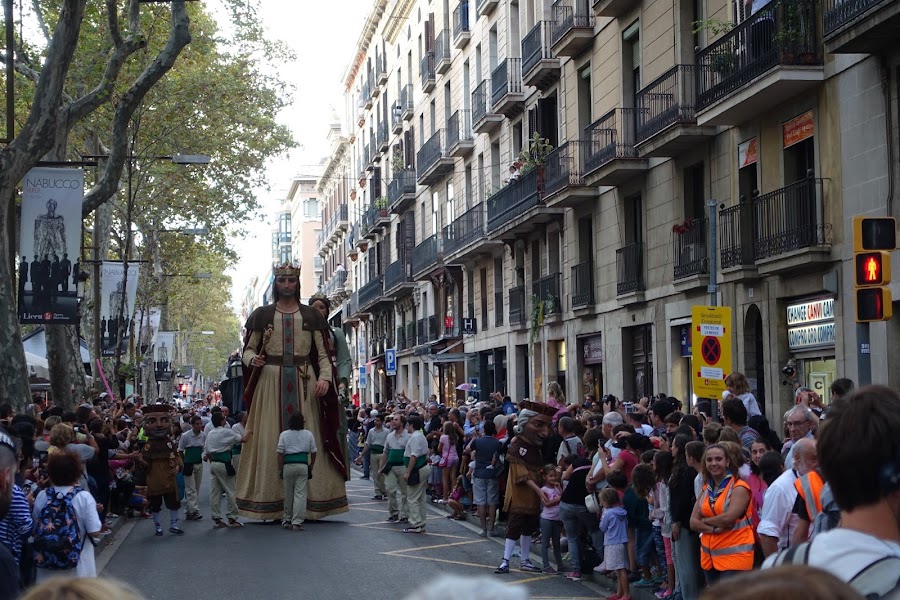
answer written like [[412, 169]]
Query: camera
[[789, 371], [620, 444], [629, 408]]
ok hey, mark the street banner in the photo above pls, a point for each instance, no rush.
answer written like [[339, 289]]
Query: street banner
[[148, 323], [710, 350], [116, 305], [163, 353], [49, 246]]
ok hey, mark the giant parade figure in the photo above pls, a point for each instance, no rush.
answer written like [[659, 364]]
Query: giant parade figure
[[289, 367]]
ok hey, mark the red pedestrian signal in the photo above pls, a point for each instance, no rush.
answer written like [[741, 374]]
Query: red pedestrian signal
[[872, 268], [873, 239]]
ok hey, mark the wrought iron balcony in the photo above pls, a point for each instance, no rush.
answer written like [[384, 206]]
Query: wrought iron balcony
[[352, 311], [381, 73], [401, 191], [789, 219], [484, 120], [401, 339], [407, 106], [610, 157], [366, 93], [779, 34], [374, 90], [563, 177], [583, 284], [422, 331], [336, 283], [373, 151], [630, 269], [668, 106], [507, 97], [689, 247], [461, 30], [573, 27], [442, 52], [427, 72], [396, 278], [513, 200], [411, 339], [397, 118], [433, 162], [861, 26], [540, 67], [460, 139], [463, 231], [547, 290], [371, 293], [517, 309], [427, 256], [383, 139]]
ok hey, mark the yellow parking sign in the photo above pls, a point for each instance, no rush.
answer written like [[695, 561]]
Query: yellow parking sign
[[710, 349]]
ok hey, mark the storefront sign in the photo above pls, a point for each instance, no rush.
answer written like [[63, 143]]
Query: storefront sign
[[684, 340], [748, 153], [811, 324], [593, 351], [798, 129]]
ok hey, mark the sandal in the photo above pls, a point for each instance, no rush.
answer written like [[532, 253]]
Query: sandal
[[297, 528], [218, 524], [234, 524]]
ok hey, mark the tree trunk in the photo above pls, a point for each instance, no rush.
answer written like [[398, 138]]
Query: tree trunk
[[13, 370]]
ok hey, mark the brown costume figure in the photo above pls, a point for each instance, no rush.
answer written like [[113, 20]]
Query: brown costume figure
[[161, 462], [523, 484]]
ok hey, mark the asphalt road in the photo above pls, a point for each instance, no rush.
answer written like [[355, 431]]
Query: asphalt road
[[355, 555]]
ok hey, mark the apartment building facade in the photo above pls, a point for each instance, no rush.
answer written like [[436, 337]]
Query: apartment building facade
[[629, 117]]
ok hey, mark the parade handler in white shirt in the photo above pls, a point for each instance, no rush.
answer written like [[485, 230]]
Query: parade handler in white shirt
[[296, 459], [217, 449]]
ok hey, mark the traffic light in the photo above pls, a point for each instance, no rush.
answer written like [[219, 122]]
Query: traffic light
[[184, 389], [873, 239]]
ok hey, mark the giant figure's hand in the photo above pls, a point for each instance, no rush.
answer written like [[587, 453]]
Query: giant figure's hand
[[321, 387], [258, 361]]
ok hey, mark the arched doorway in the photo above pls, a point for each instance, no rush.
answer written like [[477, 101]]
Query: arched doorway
[[754, 360]]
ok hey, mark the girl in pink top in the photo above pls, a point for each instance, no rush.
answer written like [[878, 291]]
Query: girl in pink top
[[551, 524], [449, 457]]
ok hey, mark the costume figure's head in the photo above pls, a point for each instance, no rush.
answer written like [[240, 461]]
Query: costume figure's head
[[321, 303], [533, 422], [51, 207], [287, 281], [157, 421]]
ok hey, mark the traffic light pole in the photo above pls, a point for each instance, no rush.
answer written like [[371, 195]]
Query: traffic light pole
[[863, 354]]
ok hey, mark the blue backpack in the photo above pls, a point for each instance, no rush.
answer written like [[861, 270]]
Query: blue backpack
[[57, 543]]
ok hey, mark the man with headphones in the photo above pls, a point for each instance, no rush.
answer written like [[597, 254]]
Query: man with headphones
[[859, 455]]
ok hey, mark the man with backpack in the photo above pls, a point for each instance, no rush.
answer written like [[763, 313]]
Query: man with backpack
[[859, 455]]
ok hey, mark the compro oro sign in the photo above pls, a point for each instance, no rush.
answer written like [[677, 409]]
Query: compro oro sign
[[710, 349], [811, 324]]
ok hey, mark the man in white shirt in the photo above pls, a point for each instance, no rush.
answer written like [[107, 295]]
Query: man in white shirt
[[190, 445], [416, 476], [296, 459], [392, 464], [217, 449], [778, 521], [859, 455]]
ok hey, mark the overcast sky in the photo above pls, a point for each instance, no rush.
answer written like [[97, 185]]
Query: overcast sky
[[323, 36]]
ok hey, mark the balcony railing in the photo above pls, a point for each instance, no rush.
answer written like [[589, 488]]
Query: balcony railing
[[569, 15], [353, 304], [421, 331], [464, 230], [430, 153], [461, 20], [506, 79], [459, 128], [841, 12], [536, 45], [395, 275], [411, 334], [427, 71], [380, 71], [610, 137], [401, 339], [781, 33], [788, 219], [426, 255], [583, 284], [406, 102], [480, 100], [402, 184], [383, 140], [689, 241], [546, 289], [671, 98], [562, 168], [371, 292], [513, 200], [336, 282], [517, 309], [442, 50], [630, 268], [735, 227]]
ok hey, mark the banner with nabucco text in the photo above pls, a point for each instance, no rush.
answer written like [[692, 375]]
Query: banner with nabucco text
[[49, 246], [118, 290]]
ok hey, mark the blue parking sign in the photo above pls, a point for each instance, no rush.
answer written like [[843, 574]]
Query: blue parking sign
[[362, 377], [390, 361]]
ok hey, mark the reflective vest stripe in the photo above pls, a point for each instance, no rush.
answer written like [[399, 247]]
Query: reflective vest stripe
[[810, 497], [726, 551]]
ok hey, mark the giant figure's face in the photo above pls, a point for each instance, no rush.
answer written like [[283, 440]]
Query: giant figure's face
[[537, 428], [287, 286], [157, 426]]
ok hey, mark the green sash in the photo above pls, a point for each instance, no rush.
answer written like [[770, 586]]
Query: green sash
[[298, 457], [420, 461], [222, 457], [236, 451], [395, 457], [193, 455], [376, 449]]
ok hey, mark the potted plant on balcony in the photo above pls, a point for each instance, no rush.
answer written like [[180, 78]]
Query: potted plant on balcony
[[397, 162], [687, 226], [381, 204]]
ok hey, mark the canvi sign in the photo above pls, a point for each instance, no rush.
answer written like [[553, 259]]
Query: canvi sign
[[811, 324]]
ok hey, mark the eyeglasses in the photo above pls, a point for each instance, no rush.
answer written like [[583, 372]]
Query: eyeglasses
[[796, 423]]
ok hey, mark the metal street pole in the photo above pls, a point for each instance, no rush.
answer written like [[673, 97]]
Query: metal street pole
[[713, 286]]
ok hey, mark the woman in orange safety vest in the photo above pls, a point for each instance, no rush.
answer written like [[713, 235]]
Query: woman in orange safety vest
[[722, 516]]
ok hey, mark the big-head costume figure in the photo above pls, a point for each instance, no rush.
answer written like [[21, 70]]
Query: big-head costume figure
[[161, 462]]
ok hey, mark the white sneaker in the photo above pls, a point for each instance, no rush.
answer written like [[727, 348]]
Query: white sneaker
[[601, 568]]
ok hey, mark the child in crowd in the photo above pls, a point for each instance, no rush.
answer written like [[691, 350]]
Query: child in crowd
[[612, 524], [636, 506], [662, 519], [434, 486], [551, 524], [459, 500]]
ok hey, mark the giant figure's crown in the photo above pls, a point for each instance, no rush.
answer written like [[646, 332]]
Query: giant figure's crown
[[292, 270]]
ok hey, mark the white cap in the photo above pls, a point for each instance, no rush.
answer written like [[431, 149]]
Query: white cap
[[374, 413], [103, 395]]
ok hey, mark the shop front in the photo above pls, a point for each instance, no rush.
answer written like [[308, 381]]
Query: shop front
[[811, 340]]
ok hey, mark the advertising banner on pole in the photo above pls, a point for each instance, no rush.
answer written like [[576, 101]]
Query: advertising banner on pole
[[163, 350], [117, 296], [49, 246], [147, 322]]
